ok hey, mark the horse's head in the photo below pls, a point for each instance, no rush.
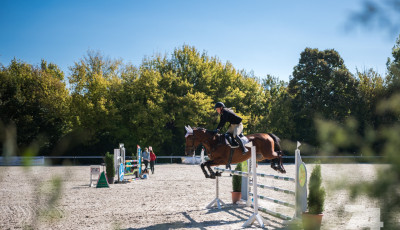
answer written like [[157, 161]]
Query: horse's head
[[194, 137], [190, 145]]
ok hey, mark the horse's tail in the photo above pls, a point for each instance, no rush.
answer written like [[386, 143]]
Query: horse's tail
[[277, 142]]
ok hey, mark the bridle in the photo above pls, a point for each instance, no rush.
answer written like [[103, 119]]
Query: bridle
[[192, 147]]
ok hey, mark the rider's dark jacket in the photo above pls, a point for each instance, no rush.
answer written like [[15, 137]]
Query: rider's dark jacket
[[228, 116]]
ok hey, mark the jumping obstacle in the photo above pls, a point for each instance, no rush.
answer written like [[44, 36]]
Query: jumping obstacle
[[119, 162], [101, 181], [300, 192], [94, 170], [122, 166]]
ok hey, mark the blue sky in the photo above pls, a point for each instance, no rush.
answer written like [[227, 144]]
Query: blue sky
[[264, 36]]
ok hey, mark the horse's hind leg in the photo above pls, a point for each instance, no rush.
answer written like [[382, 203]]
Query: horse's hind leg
[[281, 168], [277, 163]]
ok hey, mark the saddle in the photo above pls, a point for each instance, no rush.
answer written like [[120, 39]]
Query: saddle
[[231, 142]]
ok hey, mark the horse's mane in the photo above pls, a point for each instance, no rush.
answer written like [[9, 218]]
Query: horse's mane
[[203, 129]]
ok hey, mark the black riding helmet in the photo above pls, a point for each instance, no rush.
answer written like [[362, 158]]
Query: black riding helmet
[[219, 105]]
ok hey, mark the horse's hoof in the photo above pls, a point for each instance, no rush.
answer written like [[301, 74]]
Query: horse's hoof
[[218, 174], [212, 176]]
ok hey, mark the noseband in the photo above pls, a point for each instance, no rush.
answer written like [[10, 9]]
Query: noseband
[[192, 147]]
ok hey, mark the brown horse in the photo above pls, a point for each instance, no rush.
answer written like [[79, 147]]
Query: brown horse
[[267, 147]]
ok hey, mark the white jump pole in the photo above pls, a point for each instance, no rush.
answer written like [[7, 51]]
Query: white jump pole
[[216, 202], [202, 156], [301, 184], [256, 215]]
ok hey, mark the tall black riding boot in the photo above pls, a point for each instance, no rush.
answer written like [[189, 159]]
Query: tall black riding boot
[[244, 149]]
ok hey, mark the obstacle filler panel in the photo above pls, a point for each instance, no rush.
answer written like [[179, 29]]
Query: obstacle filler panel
[[102, 182], [94, 171], [300, 193]]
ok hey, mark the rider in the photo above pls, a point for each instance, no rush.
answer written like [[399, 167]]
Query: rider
[[235, 127]]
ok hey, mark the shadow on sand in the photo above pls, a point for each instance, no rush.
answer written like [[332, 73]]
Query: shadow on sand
[[239, 212]]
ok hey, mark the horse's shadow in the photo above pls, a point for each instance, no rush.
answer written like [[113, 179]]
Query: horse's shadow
[[241, 213]]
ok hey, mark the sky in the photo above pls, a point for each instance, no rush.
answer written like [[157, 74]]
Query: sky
[[261, 36]]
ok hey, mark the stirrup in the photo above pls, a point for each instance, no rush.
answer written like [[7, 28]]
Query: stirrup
[[244, 150]]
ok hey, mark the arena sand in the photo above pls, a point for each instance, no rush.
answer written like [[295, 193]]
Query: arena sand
[[174, 197]]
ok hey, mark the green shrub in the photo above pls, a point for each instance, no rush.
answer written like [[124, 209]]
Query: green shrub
[[316, 196], [109, 160], [237, 180]]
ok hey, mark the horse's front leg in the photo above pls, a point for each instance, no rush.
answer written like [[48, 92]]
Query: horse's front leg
[[212, 173], [204, 170]]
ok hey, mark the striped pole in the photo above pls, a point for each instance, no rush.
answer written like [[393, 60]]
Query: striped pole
[[276, 189], [273, 200]]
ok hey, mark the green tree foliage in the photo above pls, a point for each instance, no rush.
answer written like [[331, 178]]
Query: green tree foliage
[[371, 90], [92, 82], [277, 116], [150, 104], [165, 94], [393, 77], [36, 101], [321, 85]]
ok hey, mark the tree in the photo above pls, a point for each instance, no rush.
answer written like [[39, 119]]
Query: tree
[[393, 66], [36, 101], [371, 90], [277, 117], [92, 107], [321, 85]]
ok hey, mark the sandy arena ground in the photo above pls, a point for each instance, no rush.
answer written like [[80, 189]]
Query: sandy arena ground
[[174, 197]]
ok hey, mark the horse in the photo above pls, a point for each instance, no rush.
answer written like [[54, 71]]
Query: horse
[[267, 147]]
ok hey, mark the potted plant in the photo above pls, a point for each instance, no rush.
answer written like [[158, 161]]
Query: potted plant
[[316, 198], [110, 169], [237, 185]]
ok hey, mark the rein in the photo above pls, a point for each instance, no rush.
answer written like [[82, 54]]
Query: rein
[[205, 142]]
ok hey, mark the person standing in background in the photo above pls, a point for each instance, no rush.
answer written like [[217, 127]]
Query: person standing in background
[[146, 157], [152, 160]]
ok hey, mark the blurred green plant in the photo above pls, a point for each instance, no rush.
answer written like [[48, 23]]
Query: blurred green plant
[[385, 139], [47, 192]]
